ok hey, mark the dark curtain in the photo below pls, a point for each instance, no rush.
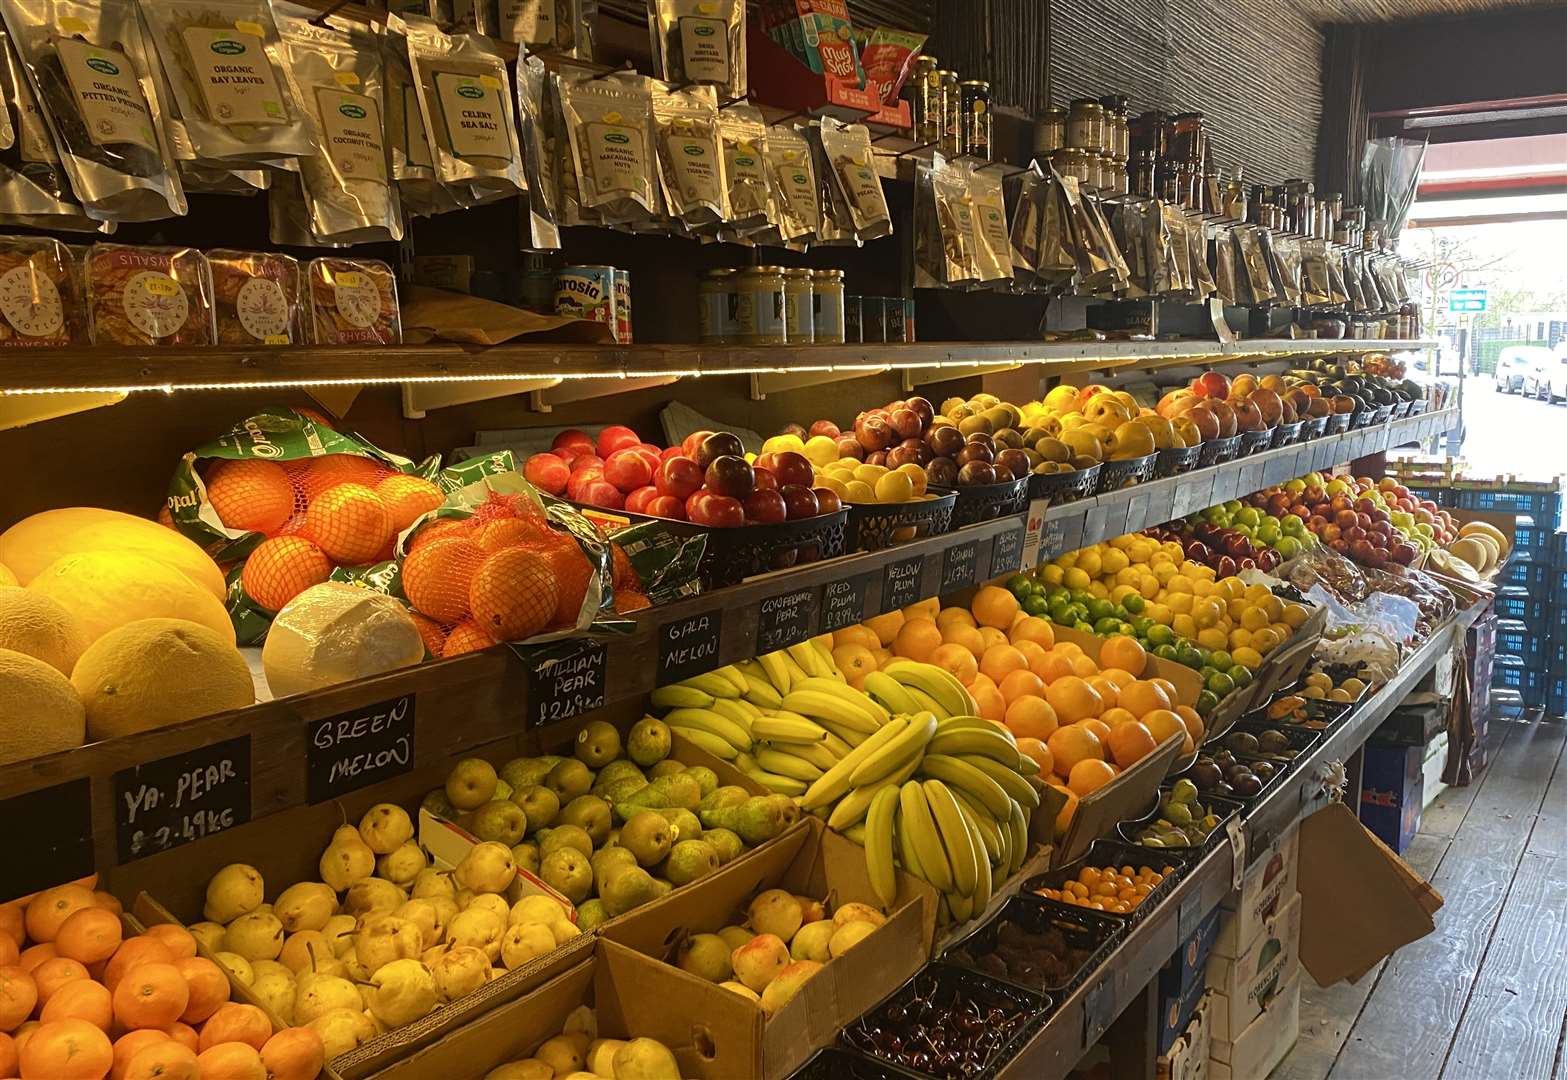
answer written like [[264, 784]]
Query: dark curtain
[[1346, 122]]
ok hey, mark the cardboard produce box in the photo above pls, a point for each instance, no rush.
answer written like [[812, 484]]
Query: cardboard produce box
[[1392, 782], [632, 996], [1247, 982], [814, 862], [1268, 885], [1257, 1051], [1187, 1058]]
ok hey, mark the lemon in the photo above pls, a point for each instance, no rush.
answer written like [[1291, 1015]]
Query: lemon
[[1206, 611], [1181, 603], [1212, 638], [1141, 550], [1202, 588], [1051, 575], [1160, 613], [1265, 641], [1148, 585], [1075, 579], [1066, 560], [1184, 626], [1128, 575], [1294, 615], [1089, 561], [832, 483], [894, 487], [1256, 594], [1275, 609], [779, 444], [1099, 590], [1121, 592], [1253, 618], [869, 474], [1180, 583], [1313, 692], [1246, 657], [858, 491], [820, 450], [1114, 561], [1239, 639], [1124, 541]]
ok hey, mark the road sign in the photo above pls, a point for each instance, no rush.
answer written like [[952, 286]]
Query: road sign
[[1466, 301]]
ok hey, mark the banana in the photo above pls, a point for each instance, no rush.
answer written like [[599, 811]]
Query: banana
[[707, 741], [925, 703], [737, 711], [797, 674], [878, 845], [959, 723], [1017, 825], [856, 833], [779, 785], [845, 736], [1001, 868], [889, 694], [960, 774], [906, 853], [983, 879], [777, 673], [762, 693], [1011, 782], [810, 661], [815, 753], [924, 840], [955, 838], [746, 763], [943, 912], [854, 806], [991, 744], [681, 696], [962, 907], [1027, 766], [776, 761], [710, 682], [839, 747], [835, 781], [989, 832], [937, 682], [822, 643], [735, 676], [820, 705], [711, 722], [750, 708], [779, 727], [893, 756]]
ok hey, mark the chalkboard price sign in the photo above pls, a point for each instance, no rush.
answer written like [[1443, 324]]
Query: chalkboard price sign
[[784, 619], [565, 680], [358, 748], [51, 838], [843, 602], [900, 583], [1006, 552], [183, 797], [688, 646], [960, 567]]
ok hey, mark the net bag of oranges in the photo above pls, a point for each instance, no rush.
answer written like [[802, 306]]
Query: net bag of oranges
[[495, 564], [283, 501]]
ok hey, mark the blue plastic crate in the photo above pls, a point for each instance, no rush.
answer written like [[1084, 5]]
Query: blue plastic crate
[[1532, 538], [1526, 572], [1440, 496], [1556, 698], [1517, 639], [1543, 506], [1512, 673], [1513, 602]]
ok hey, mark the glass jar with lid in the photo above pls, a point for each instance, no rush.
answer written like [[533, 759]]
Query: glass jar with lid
[[716, 307], [1085, 125], [1235, 195], [1188, 137], [1070, 161], [923, 91], [951, 142], [828, 302], [760, 305], [1093, 170], [1151, 132], [799, 306], [1117, 135], [1142, 177], [1049, 131]]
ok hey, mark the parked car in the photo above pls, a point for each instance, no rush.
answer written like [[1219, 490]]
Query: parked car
[[1555, 383], [1520, 368]]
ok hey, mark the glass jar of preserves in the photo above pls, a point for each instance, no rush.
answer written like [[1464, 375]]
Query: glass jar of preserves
[[760, 305], [975, 119], [923, 91], [1235, 196], [1188, 137], [1070, 161], [828, 316], [1300, 206], [1142, 177], [951, 141], [799, 307], [1092, 172], [716, 307], [1119, 183], [1085, 125], [1151, 132], [1049, 132], [1117, 137]]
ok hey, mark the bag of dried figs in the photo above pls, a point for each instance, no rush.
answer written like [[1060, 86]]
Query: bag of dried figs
[[91, 69], [992, 244], [34, 190], [791, 168], [690, 157], [227, 72], [608, 122], [944, 235], [40, 304], [466, 101], [256, 296], [338, 75], [852, 177], [700, 42], [148, 296], [353, 302]]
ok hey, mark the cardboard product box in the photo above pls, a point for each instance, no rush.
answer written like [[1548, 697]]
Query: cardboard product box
[[631, 997], [815, 862], [1186, 967], [1268, 884], [1257, 1051], [1246, 983], [1187, 1058], [1176, 1012], [1431, 770], [1390, 793]]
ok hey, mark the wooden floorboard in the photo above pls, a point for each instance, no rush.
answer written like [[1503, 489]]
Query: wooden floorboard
[[1408, 1022], [1549, 836]]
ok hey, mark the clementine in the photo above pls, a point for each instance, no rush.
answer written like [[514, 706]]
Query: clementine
[[1031, 718], [994, 606], [235, 1022], [80, 999], [1124, 652], [18, 995], [1073, 699], [916, 639], [1021, 683], [231, 1061], [150, 995], [66, 1050], [47, 911]]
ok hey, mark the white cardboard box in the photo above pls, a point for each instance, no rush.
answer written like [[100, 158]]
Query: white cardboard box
[[1260, 1048], [1246, 983], [1268, 884]]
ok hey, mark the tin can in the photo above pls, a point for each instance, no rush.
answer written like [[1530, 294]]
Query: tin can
[[873, 326], [587, 292], [898, 318], [623, 306], [975, 119], [538, 289], [951, 141], [924, 93]]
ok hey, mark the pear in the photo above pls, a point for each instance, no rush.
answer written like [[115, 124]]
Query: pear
[[460, 970], [617, 791], [857, 912], [728, 795], [347, 859], [597, 744], [210, 934], [683, 821], [526, 856], [525, 772], [402, 866], [275, 990], [501, 820], [569, 779], [536, 908], [526, 1069], [601, 1056], [572, 836], [384, 939], [735, 936], [561, 1054], [759, 960], [647, 835], [256, 936], [743, 990], [591, 913], [430, 883], [706, 779], [564, 930], [786, 984], [647, 744], [606, 863], [235, 890], [667, 767], [645, 1059], [437, 803], [386, 827], [488, 867], [317, 995], [427, 917], [305, 951], [524, 943], [755, 821], [591, 814], [630, 888], [494, 903], [477, 928], [812, 941], [305, 906], [405, 991], [775, 911], [707, 957], [341, 1030], [567, 871], [725, 842], [339, 931], [238, 966], [471, 783], [615, 771], [371, 896], [848, 936], [690, 860]]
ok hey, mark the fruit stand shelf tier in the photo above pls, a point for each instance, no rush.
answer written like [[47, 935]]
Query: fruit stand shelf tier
[[119, 369], [1076, 1024]]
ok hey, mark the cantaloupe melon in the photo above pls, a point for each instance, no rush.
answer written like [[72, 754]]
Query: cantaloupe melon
[[1472, 552], [39, 711], [107, 589], [40, 627], [1485, 528], [154, 672], [6, 577], [33, 543], [332, 633]]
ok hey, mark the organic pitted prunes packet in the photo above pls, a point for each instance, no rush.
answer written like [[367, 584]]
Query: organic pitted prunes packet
[[338, 74], [91, 68], [856, 188], [608, 122], [466, 100], [690, 157], [225, 66], [944, 237], [992, 244], [795, 191], [700, 42], [34, 191]]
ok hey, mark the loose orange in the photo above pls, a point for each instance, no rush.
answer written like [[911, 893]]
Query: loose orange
[[1052, 666], [994, 606], [80, 999], [1114, 718], [1129, 743], [1073, 699], [1143, 697], [957, 633], [1031, 718], [1100, 729], [167, 1060], [514, 594], [855, 661], [294, 1054], [999, 661], [1032, 652], [89, 935], [134, 951], [928, 608], [185, 1035], [151, 995], [179, 941], [1108, 692], [917, 639], [1084, 666], [1021, 683], [954, 614], [1194, 725], [66, 1050], [958, 660], [991, 704], [47, 911], [251, 495], [1170, 692], [51, 975], [13, 921], [1039, 752], [1124, 652], [9, 953], [1033, 628], [1073, 743], [208, 986], [1070, 648], [10, 1062], [1089, 776], [990, 637], [856, 635], [231, 1061], [1118, 676], [108, 901], [30, 957], [885, 627], [235, 1022], [1162, 723], [130, 1044], [1064, 817], [407, 497], [18, 996]]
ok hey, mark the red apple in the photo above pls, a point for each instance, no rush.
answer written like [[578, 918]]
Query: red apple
[[732, 476], [672, 452], [792, 468], [1211, 384], [827, 500], [603, 493], [766, 507], [628, 470], [695, 506], [849, 447], [825, 427], [667, 506], [976, 451], [616, 437], [766, 479], [572, 437], [689, 444], [679, 476], [724, 512], [547, 472], [587, 461], [944, 441], [720, 444], [637, 502]]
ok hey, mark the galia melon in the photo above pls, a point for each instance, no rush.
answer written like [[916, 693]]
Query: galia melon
[[332, 633], [39, 627], [1472, 552], [154, 672], [1485, 528], [6, 577], [39, 711], [33, 543], [107, 589]]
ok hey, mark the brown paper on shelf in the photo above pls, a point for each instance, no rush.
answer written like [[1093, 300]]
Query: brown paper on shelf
[[439, 315]]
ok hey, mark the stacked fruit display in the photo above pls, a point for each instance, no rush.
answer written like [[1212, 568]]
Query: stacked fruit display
[[1354, 517], [1346, 385], [579, 1051], [1074, 428], [81, 997]]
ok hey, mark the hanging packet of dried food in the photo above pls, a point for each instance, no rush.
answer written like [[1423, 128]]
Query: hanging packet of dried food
[[1284, 263], [227, 73], [91, 67], [474, 17], [700, 42], [1173, 221], [791, 168], [992, 245], [1023, 232], [1389, 273], [542, 225], [1338, 291], [466, 101], [608, 124], [1368, 285], [347, 185], [836, 225], [1056, 263], [34, 191], [1197, 242], [1093, 268], [1131, 224], [528, 22], [944, 238], [1357, 292], [690, 157], [1254, 282], [856, 186], [751, 202], [408, 141], [40, 304], [888, 58], [148, 296], [256, 296], [353, 302], [1224, 282], [1315, 286]]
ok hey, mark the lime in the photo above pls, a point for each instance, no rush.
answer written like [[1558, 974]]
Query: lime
[[1126, 628], [1083, 627], [1035, 605], [1220, 660], [1099, 610], [1060, 612], [1160, 635], [1220, 683], [1165, 652], [1133, 603], [1207, 701], [1142, 625], [1081, 596], [1079, 612], [1187, 654], [1019, 586], [1240, 675], [1205, 671], [1058, 595], [1107, 626]]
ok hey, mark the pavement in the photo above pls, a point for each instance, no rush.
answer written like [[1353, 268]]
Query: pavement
[[1506, 433]]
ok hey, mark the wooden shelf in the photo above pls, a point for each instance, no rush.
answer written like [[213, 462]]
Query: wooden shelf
[[226, 368], [468, 701]]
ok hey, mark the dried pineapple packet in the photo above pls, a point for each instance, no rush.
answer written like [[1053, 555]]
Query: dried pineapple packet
[[148, 296], [40, 301], [690, 158], [608, 121], [225, 64], [792, 170], [856, 189], [353, 302], [347, 185], [466, 102], [256, 297], [92, 71]]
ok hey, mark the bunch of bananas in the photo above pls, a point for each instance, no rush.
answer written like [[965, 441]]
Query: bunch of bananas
[[905, 768]]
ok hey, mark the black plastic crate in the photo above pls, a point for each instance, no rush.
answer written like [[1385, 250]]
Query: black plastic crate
[[1382, 414], [873, 526], [839, 1063], [1062, 487], [1313, 427], [1338, 423], [1218, 451], [1362, 417], [1319, 714], [986, 502], [1113, 851], [1115, 475], [1255, 442], [1088, 931], [1301, 739], [1177, 460], [1288, 434], [958, 987], [1246, 801], [1222, 808], [1401, 409]]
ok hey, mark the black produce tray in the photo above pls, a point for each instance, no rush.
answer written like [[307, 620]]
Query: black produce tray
[[1224, 808], [1301, 739], [1255, 442], [1113, 851], [873, 526], [1246, 801], [1287, 434], [1313, 427], [1382, 414], [1061, 487], [1218, 451], [1082, 928], [837, 1063], [1401, 409], [1418, 406], [1177, 460], [955, 985], [986, 502], [1115, 475], [1362, 417], [1332, 713], [1338, 423]]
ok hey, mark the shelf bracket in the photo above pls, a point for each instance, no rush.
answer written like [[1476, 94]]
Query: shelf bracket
[[420, 398], [778, 382], [566, 391], [924, 376]]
